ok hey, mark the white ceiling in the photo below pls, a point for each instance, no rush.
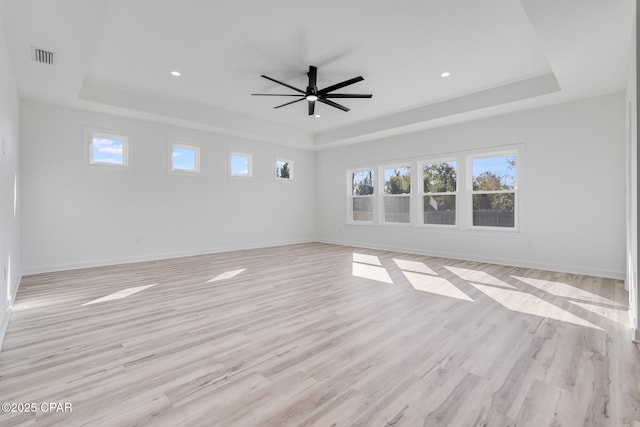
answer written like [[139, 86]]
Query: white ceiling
[[503, 55]]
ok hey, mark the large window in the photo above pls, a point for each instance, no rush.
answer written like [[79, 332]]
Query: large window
[[107, 149], [466, 190], [493, 195], [397, 194], [439, 192], [362, 195]]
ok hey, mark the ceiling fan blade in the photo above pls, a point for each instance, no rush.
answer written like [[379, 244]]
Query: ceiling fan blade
[[333, 104], [340, 85], [275, 94], [312, 108], [292, 102], [283, 84], [313, 76], [347, 95]]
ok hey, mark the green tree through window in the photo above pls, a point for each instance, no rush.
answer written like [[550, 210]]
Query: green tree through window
[[362, 195], [362, 183], [439, 178], [397, 182], [440, 182], [283, 169], [493, 185], [397, 190]]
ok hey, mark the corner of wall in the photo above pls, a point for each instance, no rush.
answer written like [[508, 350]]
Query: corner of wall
[[633, 180], [4, 325], [10, 237], [6, 316]]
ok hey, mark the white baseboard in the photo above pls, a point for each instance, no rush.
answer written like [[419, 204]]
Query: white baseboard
[[635, 333], [469, 257], [491, 260], [6, 316], [4, 325], [153, 257]]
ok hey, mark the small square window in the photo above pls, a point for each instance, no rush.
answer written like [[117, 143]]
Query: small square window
[[185, 158], [107, 149], [284, 170], [241, 165]]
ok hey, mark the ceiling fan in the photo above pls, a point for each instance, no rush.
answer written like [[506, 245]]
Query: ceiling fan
[[313, 94]]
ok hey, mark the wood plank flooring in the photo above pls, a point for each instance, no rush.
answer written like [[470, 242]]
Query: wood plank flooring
[[320, 335]]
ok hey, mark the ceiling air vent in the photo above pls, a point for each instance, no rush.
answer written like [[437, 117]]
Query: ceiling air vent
[[42, 56]]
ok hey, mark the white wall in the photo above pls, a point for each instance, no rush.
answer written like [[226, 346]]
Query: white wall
[[631, 118], [9, 210], [78, 215], [573, 210], [573, 216]]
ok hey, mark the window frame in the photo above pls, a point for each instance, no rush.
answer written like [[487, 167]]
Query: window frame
[[93, 133], [383, 195], [249, 165], [422, 194], [373, 196], [291, 170], [464, 195], [484, 154], [173, 143]]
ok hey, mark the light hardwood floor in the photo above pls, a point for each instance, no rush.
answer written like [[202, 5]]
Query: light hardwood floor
[[324, 335]]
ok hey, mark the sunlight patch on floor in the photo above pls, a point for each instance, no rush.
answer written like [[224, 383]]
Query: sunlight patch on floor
[[226, 275], [372, 272], [564, 290], [478, 276], [34, 303], [618, 315], [366, 259], [120, 294], [525, 303], [416, 266], [435, 285]]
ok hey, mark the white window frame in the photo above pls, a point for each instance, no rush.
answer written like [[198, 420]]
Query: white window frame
[[421, 193], [464, 193], [373, 197], [383, 195], [94, 133], [178, 171], [249, 165], [516, 152], [291, 170]]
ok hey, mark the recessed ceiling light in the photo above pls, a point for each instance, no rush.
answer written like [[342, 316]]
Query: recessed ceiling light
[[445, 74], [316, 116], [176, 73]]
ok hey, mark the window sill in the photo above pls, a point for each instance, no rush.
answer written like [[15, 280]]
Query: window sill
[[444, 229]]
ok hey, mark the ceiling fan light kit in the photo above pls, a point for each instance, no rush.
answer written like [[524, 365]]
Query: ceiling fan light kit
[[313, 94]]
